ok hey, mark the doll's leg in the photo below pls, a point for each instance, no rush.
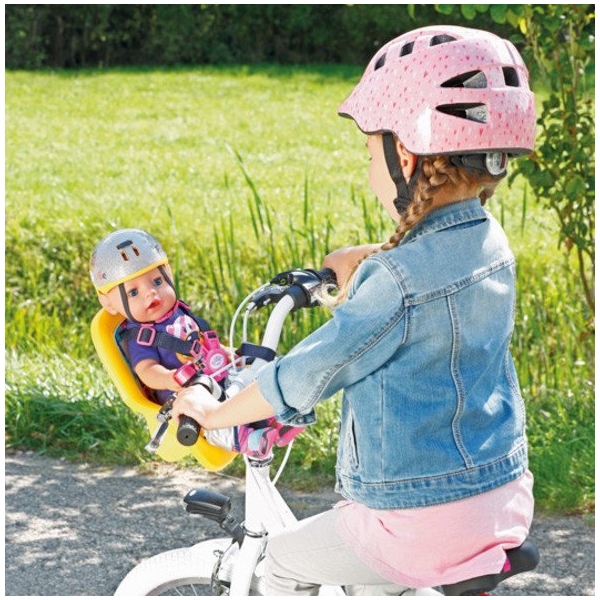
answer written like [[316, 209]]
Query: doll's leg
[[252, 440], [223, 438]]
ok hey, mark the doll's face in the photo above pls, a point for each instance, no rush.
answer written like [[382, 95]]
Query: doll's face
[[149, 297]]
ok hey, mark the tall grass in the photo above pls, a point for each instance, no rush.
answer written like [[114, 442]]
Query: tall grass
[[241, 173]]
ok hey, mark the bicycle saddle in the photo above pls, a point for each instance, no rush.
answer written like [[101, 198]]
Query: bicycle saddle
[[518, 560]]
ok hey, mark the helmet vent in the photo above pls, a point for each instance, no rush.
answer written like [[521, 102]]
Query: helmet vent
[[407, 49], [124, 245], [472, 79], [511, 78], [444, 38], [380, 62], [470, 112]]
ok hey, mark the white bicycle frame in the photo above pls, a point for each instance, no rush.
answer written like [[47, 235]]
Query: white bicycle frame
[[266, 513], [234, 566]]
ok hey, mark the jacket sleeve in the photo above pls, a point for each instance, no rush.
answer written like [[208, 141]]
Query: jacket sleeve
[[362, 335]]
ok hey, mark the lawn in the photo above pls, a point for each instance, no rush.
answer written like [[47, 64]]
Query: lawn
[[239, 171]]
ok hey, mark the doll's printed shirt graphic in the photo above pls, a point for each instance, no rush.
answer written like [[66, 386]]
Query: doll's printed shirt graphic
[[179, 324], [185, 328]]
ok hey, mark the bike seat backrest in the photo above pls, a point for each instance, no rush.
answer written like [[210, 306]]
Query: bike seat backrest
[[104, 330], [518, 560]]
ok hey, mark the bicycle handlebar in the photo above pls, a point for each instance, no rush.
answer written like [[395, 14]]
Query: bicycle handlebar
[[300, 284], [290, 290], [188, 429], [305, 277]]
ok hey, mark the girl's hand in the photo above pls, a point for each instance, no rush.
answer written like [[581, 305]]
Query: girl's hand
[[345, 260], [247, 406], [195, 402]]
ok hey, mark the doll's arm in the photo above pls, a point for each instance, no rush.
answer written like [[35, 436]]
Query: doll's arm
[[155, 376]]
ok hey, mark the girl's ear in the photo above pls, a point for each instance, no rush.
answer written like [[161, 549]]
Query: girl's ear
[[408, 160], [108, 305]]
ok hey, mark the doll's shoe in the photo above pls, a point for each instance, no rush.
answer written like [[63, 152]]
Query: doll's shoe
[[286, 433], [258, 442]]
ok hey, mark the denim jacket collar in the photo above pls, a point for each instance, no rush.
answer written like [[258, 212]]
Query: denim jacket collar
[[457, 213]]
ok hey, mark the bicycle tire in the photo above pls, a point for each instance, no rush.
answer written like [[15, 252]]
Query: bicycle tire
[[173, 570]]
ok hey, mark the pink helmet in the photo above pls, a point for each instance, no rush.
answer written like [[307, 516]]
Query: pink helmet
[[447, 90]]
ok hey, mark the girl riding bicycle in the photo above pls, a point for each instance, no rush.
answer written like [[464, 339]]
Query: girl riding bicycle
[[432, 458]]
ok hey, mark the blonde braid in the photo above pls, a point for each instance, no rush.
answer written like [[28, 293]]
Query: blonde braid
[[431, 179], [436, 172]]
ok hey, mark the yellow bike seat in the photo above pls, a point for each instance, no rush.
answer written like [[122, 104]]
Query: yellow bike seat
[[103, 329]]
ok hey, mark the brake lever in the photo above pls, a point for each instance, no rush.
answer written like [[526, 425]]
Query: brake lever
[[301, 284], [302, 277], [305, 280], [268, 295]]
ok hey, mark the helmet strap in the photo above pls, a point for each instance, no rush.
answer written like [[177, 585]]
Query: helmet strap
[[165, 274], [125, 303], [404, 189]]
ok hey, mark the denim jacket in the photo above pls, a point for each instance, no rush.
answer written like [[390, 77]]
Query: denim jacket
[[431, 408]]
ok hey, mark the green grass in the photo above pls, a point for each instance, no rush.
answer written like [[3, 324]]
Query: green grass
[[240, 172]]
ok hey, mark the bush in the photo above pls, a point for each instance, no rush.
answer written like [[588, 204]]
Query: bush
[[102, 35]]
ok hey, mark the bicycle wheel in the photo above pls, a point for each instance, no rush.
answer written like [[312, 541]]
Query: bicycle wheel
[[188, 588], [183, 571]]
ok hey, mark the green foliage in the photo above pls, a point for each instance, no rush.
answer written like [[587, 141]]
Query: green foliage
[[89, 147], [233, 191], [65, 408], [561, 171], [555, 355], [102, 35]]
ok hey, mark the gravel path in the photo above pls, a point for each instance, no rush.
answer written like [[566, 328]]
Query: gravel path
[[75, 530]]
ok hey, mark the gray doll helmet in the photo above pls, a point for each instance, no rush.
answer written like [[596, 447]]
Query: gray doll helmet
[[123, 255]]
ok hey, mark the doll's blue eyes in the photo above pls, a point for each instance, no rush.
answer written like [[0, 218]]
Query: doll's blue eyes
[[156, 282]]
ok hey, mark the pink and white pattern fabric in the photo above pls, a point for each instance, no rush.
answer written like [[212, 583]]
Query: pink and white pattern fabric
[[414, 87]]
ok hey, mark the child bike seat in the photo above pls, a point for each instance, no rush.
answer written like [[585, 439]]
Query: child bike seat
[[104, 330], [518, 560]]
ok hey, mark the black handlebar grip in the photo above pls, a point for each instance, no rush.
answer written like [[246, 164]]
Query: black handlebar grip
[[327, 275], [188, 431]]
